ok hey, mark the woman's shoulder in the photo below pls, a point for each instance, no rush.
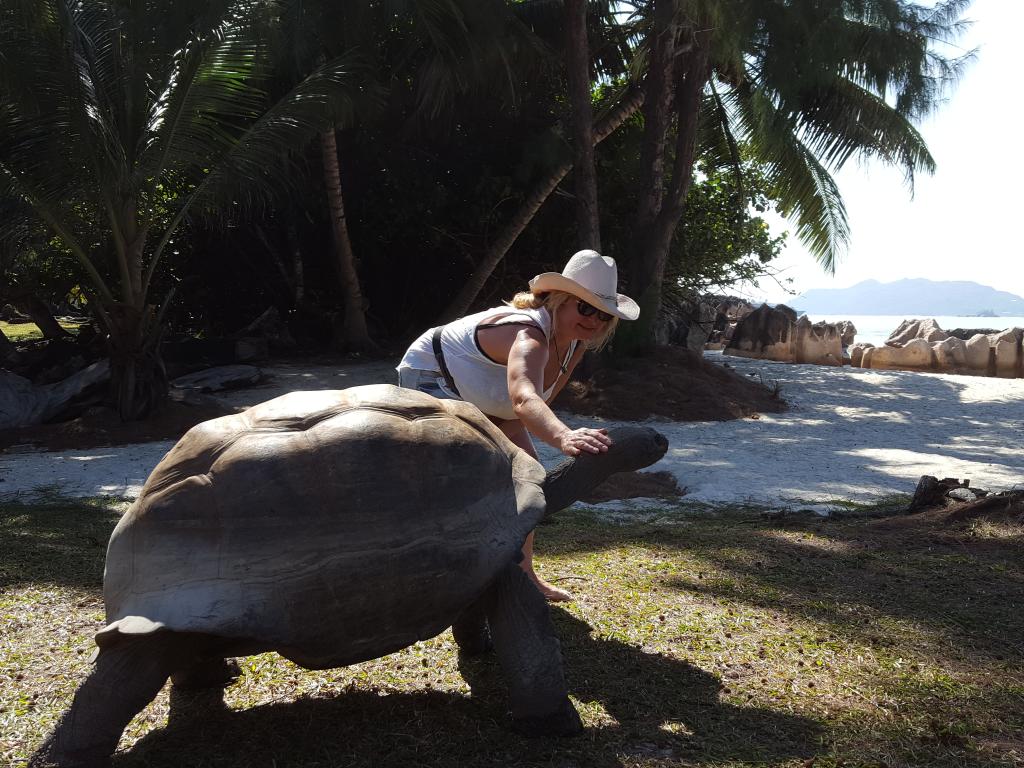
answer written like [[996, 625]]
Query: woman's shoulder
[[506, 315]]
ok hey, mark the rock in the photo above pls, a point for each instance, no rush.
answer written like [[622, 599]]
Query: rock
[[967, 333], [962, 494], [916, 354], [857, 354], [220, 378], [847, 331], [1007, 345], [951, 355], [926, 329], [818, 344], [978, 355], [23, 404], [689, 324], [776, 334], [765, 333]]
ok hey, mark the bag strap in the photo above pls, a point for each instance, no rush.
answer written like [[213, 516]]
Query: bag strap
[[435, 342]]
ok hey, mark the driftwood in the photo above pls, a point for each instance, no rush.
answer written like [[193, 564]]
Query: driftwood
[[24, 404]]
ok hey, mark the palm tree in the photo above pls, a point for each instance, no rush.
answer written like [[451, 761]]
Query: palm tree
[[425, 54], [806, 85], [118, 121]]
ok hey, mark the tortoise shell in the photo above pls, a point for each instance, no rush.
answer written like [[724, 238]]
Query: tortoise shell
[[331, 526]]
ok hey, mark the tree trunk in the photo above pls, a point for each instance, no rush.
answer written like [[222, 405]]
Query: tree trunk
[[588, 222], [355, 336], [657, 118], [467, 295], [298, 268], [657, 232], [138, 378], [41, 315]]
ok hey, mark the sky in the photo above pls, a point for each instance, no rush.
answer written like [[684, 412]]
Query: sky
[[962, 222]]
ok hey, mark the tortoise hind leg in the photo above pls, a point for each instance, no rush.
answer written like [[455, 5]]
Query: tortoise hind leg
[[125, 678], [471, 632], [530, 656], [207, 672]]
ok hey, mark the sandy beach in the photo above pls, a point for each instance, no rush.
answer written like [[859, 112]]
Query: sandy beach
[[849, 435]]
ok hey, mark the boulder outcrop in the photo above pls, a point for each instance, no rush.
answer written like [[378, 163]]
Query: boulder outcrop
[[921, 345], [775, 333]]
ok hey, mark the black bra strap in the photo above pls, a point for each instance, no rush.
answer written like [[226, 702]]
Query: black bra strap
[[435, 341]]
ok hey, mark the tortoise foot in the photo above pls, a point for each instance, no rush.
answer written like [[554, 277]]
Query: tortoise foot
[[565, 721]]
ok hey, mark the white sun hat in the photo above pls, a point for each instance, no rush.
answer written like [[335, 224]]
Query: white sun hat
[[593, 278]]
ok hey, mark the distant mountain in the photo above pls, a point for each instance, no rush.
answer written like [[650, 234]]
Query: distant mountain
[[911, 297]]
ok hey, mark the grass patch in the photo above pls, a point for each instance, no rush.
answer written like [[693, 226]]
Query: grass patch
[[710, 637], [18, 332]]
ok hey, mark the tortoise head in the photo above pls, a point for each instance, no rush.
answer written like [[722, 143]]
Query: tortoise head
[[632, 448]]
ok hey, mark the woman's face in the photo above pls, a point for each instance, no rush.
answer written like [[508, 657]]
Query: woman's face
[[571, 323]]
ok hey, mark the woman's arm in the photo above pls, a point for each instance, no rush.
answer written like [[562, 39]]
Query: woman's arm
[[526, 360]]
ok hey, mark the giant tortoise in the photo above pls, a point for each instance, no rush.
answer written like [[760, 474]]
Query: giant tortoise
[[332, 527]]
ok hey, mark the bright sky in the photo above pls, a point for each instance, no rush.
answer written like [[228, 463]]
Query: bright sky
[[962, 221]]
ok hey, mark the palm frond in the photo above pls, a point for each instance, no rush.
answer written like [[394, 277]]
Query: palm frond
[[260, 162], [804, 190]]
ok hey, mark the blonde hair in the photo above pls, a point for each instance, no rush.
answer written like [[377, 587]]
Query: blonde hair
[[551, 301]]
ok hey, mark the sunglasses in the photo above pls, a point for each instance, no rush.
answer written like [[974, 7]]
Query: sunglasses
[[586, 310]]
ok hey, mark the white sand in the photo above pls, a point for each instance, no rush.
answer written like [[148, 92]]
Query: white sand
[[850, 434]]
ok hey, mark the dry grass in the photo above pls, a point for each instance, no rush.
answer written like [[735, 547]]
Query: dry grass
[[712, 639]]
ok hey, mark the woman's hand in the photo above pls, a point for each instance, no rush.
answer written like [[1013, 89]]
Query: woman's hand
[[573, 442]]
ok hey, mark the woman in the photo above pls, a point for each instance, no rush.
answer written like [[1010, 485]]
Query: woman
[[512, 361]]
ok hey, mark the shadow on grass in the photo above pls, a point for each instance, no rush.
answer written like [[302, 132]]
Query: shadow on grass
[[657, 708], [847, 573], [59, 543]]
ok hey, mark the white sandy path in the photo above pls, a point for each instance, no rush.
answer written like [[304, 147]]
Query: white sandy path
[[849, 434]]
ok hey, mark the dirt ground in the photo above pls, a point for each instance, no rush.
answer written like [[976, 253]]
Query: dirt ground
[[670, 383]]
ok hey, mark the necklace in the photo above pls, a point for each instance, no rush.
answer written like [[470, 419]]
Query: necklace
[[563, 364]]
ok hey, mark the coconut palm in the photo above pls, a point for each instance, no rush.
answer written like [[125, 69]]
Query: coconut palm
[[119, 120], [805, 85]]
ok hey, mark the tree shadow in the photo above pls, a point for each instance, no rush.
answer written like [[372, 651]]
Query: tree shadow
[[61, 543], [653, 707], [844, 573]]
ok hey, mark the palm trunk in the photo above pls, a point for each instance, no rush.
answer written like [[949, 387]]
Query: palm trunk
[[298, 268], [657, 117], [355, 336], [588, 224], [138, 379], [648, 268], [473, 285]]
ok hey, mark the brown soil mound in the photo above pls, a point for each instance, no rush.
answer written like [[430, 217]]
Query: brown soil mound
[[672, 383], [100, 427]]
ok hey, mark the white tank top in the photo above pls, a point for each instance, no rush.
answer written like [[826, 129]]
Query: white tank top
[[481, 381]]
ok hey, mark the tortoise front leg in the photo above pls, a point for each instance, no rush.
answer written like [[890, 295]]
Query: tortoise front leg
[[530, 656], [125, 678]]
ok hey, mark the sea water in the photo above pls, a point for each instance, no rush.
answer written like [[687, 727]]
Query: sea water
[[875, 329]]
